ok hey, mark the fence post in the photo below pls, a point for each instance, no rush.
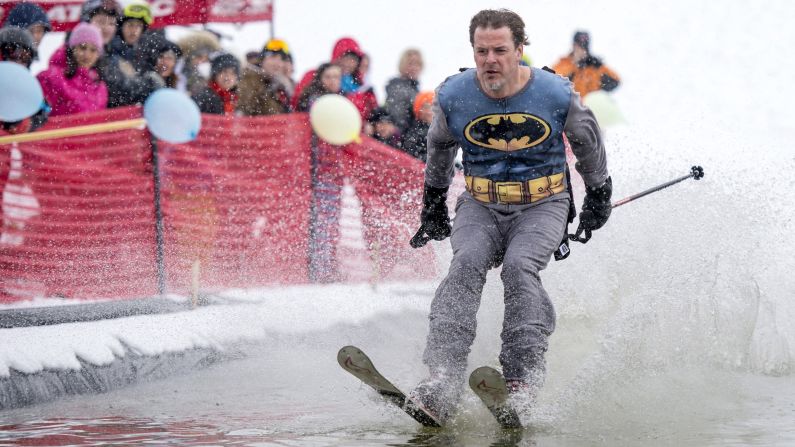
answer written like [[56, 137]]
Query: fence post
[[324, 231], [159, 239]]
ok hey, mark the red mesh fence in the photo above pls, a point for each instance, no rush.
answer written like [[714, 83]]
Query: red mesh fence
[[388, 183], [237, 205], [77, 214]]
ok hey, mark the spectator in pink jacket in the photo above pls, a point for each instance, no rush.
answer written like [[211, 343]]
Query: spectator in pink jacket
[[76, 87]]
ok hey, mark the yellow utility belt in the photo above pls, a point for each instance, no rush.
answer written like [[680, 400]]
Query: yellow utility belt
[[515, 193]]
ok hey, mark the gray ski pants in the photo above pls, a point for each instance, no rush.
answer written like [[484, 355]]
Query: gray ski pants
[[523, 237]]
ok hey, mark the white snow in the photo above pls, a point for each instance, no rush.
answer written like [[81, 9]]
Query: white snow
[[252, 315]]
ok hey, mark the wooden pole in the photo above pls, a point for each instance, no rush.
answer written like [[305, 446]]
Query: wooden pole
[[74, 131]]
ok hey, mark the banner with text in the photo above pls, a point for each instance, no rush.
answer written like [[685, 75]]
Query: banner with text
[[65, 14]]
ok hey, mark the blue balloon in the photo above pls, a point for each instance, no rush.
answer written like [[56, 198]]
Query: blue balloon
[[21, 94], [172, 116]]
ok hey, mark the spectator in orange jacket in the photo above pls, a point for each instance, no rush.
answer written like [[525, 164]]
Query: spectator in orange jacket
[[585, 70]]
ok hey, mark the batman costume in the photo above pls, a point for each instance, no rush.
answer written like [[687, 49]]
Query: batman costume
[[514, 213]]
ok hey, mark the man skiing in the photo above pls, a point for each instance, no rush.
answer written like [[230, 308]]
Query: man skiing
[[510, 122]]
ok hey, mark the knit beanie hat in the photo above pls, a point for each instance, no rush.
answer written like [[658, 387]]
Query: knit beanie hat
[[25, 14], [583, 39], [94, 7], [13, 38], [86, 33], [223, 61], [380, 114], [420, 100], [17, 37]]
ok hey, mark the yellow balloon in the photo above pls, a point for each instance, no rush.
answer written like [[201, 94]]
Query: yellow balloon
[[335, 119]]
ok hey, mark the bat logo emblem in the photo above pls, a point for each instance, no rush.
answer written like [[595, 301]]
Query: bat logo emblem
[[507, 132]]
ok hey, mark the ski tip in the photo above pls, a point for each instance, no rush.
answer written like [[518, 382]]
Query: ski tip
[[482, 372], [349, 348], [347, 352], [485, 370], [489, 385]]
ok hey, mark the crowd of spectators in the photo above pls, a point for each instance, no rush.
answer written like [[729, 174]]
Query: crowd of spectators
[[112, 59]]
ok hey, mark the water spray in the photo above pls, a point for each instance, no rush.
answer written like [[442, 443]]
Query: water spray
[[696, 172]]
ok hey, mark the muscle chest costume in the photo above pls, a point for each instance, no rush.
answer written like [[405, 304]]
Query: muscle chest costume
[[513, 149]]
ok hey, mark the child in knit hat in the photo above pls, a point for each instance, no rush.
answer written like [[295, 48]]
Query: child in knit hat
[[17, 45], [384, 128], [86, 34], [76, 87], [220, 95], [30, 17]]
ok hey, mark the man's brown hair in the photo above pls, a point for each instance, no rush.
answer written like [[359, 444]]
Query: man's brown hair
[[497, 18]]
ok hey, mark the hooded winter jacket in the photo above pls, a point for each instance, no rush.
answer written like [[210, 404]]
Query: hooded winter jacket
[[262, 93], [123, 88], [400, 94], [364, 101], [588, 75], [84, 92]]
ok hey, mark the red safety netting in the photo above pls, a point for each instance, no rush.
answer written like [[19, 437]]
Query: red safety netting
[[79, 213], [388, 184], [236, 203]]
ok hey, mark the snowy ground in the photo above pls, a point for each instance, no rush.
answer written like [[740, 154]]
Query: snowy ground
[[675, 321]]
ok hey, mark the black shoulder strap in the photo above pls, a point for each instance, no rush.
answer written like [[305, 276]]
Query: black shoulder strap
[[545, 68]]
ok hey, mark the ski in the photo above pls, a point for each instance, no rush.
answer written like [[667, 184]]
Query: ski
[[356, 362], [489, 385]]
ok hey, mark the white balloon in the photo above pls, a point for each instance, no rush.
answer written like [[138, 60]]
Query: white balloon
[[335, 119], [172, 116], [20, 93]]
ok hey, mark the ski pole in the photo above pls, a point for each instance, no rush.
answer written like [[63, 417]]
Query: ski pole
[[696, 172]]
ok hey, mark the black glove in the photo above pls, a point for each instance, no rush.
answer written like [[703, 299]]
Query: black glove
[[596, 206], [435, 223], [591, 61]]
